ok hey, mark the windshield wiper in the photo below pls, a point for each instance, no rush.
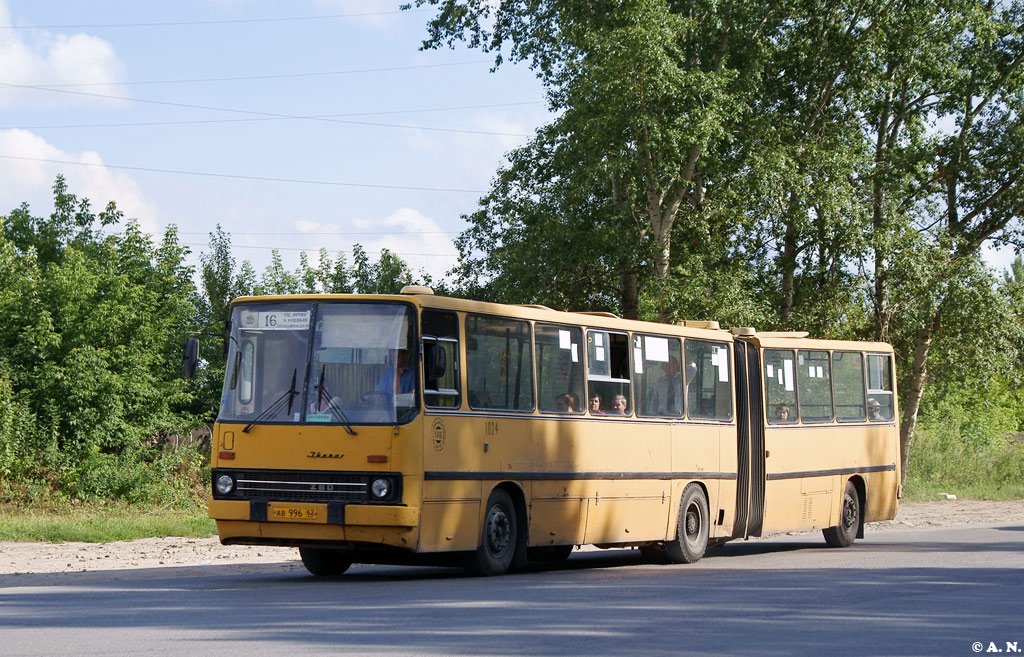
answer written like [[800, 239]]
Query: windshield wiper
[[289, 395], [323, 394]]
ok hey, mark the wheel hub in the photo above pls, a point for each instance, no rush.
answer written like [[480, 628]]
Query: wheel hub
[[499, 531]]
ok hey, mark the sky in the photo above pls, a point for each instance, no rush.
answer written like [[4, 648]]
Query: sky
[[296, 126]]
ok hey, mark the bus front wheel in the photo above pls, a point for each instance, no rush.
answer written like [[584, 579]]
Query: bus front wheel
[[325, 563], [692, 530], [843, 534], [498, 537]]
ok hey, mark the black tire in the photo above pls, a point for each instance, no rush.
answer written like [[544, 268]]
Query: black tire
[[325, 563], [845, 532], [692, 529], [549, 553], [499, 537]]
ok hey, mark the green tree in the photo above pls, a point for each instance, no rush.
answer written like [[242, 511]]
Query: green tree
[[645, 90], [91, 345]]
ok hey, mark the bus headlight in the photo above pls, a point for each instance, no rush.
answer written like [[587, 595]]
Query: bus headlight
[[225, 484], [380, 488]]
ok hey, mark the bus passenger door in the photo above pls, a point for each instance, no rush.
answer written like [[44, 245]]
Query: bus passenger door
[[750, 454]]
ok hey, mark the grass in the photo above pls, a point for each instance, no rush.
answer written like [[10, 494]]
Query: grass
[[918, 490], [943, 461], [100, 523]]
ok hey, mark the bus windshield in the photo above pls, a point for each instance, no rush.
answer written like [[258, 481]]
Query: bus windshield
[[323, 363]]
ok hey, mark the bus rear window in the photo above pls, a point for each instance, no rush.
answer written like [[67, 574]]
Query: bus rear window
[[880, 405]]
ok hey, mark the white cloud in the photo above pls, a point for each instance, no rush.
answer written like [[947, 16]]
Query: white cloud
[[31, 180], [55, 59], [420, 241], [313, 227]]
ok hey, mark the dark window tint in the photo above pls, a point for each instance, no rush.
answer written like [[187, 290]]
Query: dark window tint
[[440, 333], [499, 363], [880, 396], [659, 378], [815, 386], [608, 373], [708, 387], [848, 371], [780, 386], [559, 368]]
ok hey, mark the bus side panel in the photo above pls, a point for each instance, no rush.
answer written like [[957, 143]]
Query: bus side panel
[[627, 511], [448, 519], [881, 503], [557, 513], [620, 509], [696, 449], [794, 502]]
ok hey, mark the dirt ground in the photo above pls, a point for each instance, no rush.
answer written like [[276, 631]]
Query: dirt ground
[[18, 558]]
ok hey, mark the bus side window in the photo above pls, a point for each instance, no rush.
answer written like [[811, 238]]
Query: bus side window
[[608, 373], [708, 392], [880, 405], [814, 382], [499, 363], [659, 378], [780, 386], [848, 380], [440, 331], [559, 368]]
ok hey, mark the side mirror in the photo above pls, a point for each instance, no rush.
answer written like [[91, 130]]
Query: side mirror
[[190, 358], [227, 338]]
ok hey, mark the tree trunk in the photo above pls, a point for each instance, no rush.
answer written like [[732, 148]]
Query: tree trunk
[[918, 379], [627, 276], [788, 266], [883, 315]]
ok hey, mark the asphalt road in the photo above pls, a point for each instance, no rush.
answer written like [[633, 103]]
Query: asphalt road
[[945, 591]]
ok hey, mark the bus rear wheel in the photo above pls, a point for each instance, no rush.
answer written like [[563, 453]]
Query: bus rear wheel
[[499, 537], [325, 563], [692, 529], [843, 534]]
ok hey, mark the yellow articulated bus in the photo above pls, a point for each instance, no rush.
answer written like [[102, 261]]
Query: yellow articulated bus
[[417, 428]]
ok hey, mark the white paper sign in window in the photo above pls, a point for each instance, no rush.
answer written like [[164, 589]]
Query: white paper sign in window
[[656, 348], [722, 355]]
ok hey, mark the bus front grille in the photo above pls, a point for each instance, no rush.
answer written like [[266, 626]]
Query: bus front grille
[[295, 486]]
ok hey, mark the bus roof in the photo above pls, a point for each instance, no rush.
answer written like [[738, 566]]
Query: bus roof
[[425, 298]]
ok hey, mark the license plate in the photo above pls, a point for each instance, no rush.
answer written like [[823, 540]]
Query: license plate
[[295, 513]]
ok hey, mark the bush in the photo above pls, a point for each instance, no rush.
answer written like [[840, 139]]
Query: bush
[[968, 442]]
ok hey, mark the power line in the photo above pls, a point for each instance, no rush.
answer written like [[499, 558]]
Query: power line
[[226, 21], [357, 232], [285, 248], [314, 116], [242, 177], [256, 113], [276, 76]]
